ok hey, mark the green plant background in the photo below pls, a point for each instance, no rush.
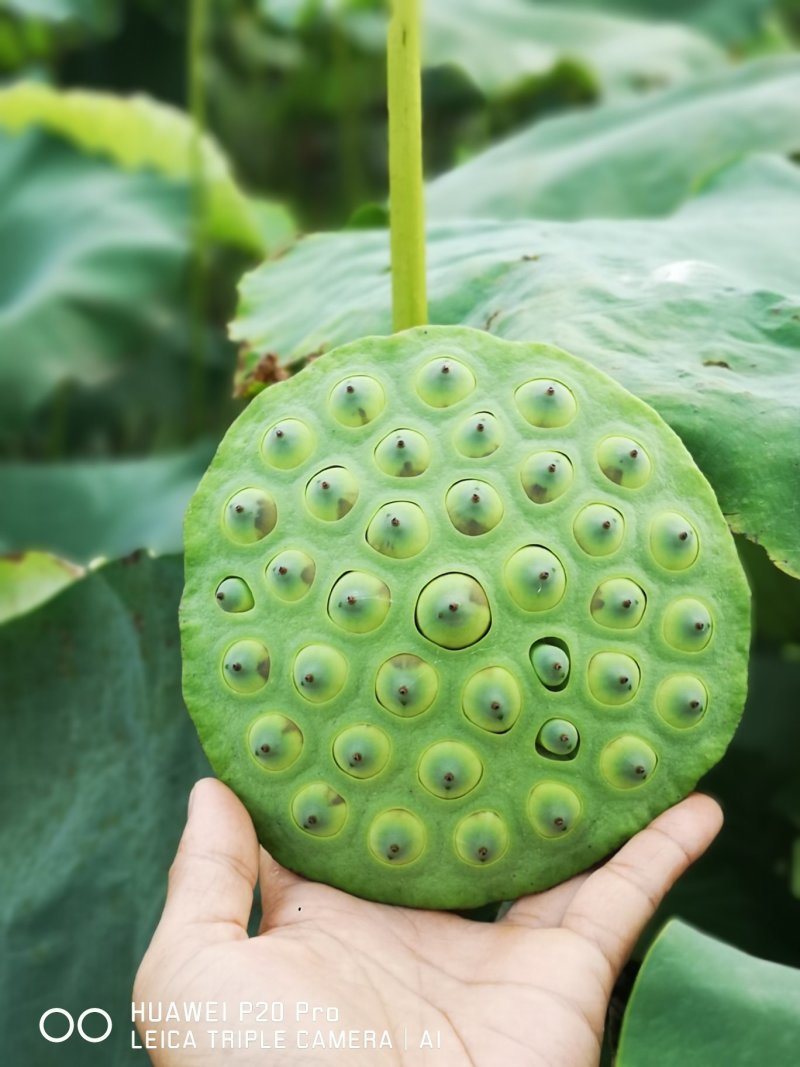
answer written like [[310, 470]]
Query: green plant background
[[598, 178]]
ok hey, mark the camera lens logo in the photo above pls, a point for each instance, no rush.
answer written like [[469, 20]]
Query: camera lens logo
[[56, 1039]]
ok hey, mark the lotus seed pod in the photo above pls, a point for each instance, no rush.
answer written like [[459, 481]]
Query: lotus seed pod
[[474, 507], [331, 494], [558, 737], [234, 594], [681, 700], [290, 575], [551, 663], [397, 837], [450, 769], [399, 530], [403, 454], [250, 515], [359, 602], [546, 476], [553, 809], [624, 462], [319, 810], [245, 666], [627, 762], [492, 699], [357, 400], [482, 838], [687, 625], [275, 741], [319, 673], [287, 444], [546, 403], [535, 578], [599, 529], [456, 656], [618, 603], [362, 751], [673, 541], [453, 611], [478, 436], [613, 677], [406, 685], [444, 381]]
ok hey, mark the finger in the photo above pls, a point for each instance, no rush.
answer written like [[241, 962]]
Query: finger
[[544, 909], [612, 907], [214, 874], [277, 888]]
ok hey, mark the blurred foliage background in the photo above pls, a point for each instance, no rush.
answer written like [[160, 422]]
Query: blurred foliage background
[[618, 177]]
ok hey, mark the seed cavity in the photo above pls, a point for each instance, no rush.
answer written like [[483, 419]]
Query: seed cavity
[[682, 700], [444, 381], [453, 611], [599, 529], [478, 435], [449, 769], [624, 462], [558, 739], [290, 575], [492, 699], [673, 541], [546, 403], [627, 762], [399, 530], [535, 578], [553, 809], [482, 838], [234, 595], [618, 603], [550, 660], [406, 685], [359, 602], [287, 444], [362, 751], [474, 507], [403, 453], [357, 401], [275, 742], [396, 837], [687, 625], [546, 476], [250, 515], [331, 494], [246, 665], [319, 673], [319, 810], [614, 678]]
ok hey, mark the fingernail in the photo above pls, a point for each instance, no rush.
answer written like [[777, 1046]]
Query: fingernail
[[191, 799]]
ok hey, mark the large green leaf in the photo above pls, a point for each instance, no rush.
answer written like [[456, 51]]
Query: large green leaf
[[698, 1002], [96, 15], [630, 159], [29, 579], [99, 757], [697, 314]]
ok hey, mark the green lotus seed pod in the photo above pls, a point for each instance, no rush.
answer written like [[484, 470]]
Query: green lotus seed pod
[[450, 769], [397, 836], [599, 529], [331, 494], [319, 673], [482, 838], [403, 454], [551, 663], [492, 699], [687, 625], [359, 602], [399, 530], [627, 762], [613, 677], [250, 515], [290, 575], [474, 507], [406, 685], [673, 541], [275, 741], [546, 476], [357, 401], [319, 810], [287, 444], [245, 666], [547, 403], [362, 751], [535, 578], [558, 737], [444, 381], [553, 809], [233, 594], [453, 611], [478, 436], [681, 700], [618, 603], [624, 462]]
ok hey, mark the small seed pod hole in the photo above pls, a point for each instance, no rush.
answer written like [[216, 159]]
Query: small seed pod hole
[[624, 462], [627, 762], [618, 603], [478, 436], [250, 515], [535, 578], [275, 741], [357, 401], [331, 494], [558, 739], [553, 809], [449, 769], [396, 837], [599, 529], [359, 602], [290, 575], [673, 541], [550, 660], [682, 700], [406, 685], [687, 625], [444, 381], [319, 673], [482, 838], [546, 476], [492, 699], [613, 677], [546, 403], [403, 454], [319, 810], [399, 530], [474, 507], [362, 751], [245, 666], [287, 444], [234, 595], [453, 611]]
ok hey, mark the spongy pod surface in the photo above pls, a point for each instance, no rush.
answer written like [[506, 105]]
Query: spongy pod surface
[[461, 615]]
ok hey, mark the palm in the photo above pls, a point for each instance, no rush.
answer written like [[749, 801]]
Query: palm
[[532, 988]]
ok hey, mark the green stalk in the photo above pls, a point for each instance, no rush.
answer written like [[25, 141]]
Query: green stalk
[[409, 294], [198, 297]]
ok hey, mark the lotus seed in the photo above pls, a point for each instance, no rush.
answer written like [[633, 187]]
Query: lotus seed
[[319, 810], [403, 454], [357, 401], [320, 673], [444, 381], [550, 661], [453, 611], [546, 476], [673, 541], [331, 494], [535, 578], [553, 809], [450, 769], [287, 444], [406, 685], [624, 462], [397, 837], [599, 529], [687, 625], [245, 666], [359, 602], [474, 507], [275, 742], [492, 699], [290, 575], [362, 751], [681, 700], [613, 677], [234, 595], [250, 515], [558, 738], [627, 762], [482, 838], [478, 436], [618, 603], [399, 530], [546, 403]]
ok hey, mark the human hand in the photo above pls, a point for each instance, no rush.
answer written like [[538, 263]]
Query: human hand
[[531, 989]]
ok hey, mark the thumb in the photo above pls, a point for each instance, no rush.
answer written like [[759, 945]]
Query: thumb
[[214, 873]]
